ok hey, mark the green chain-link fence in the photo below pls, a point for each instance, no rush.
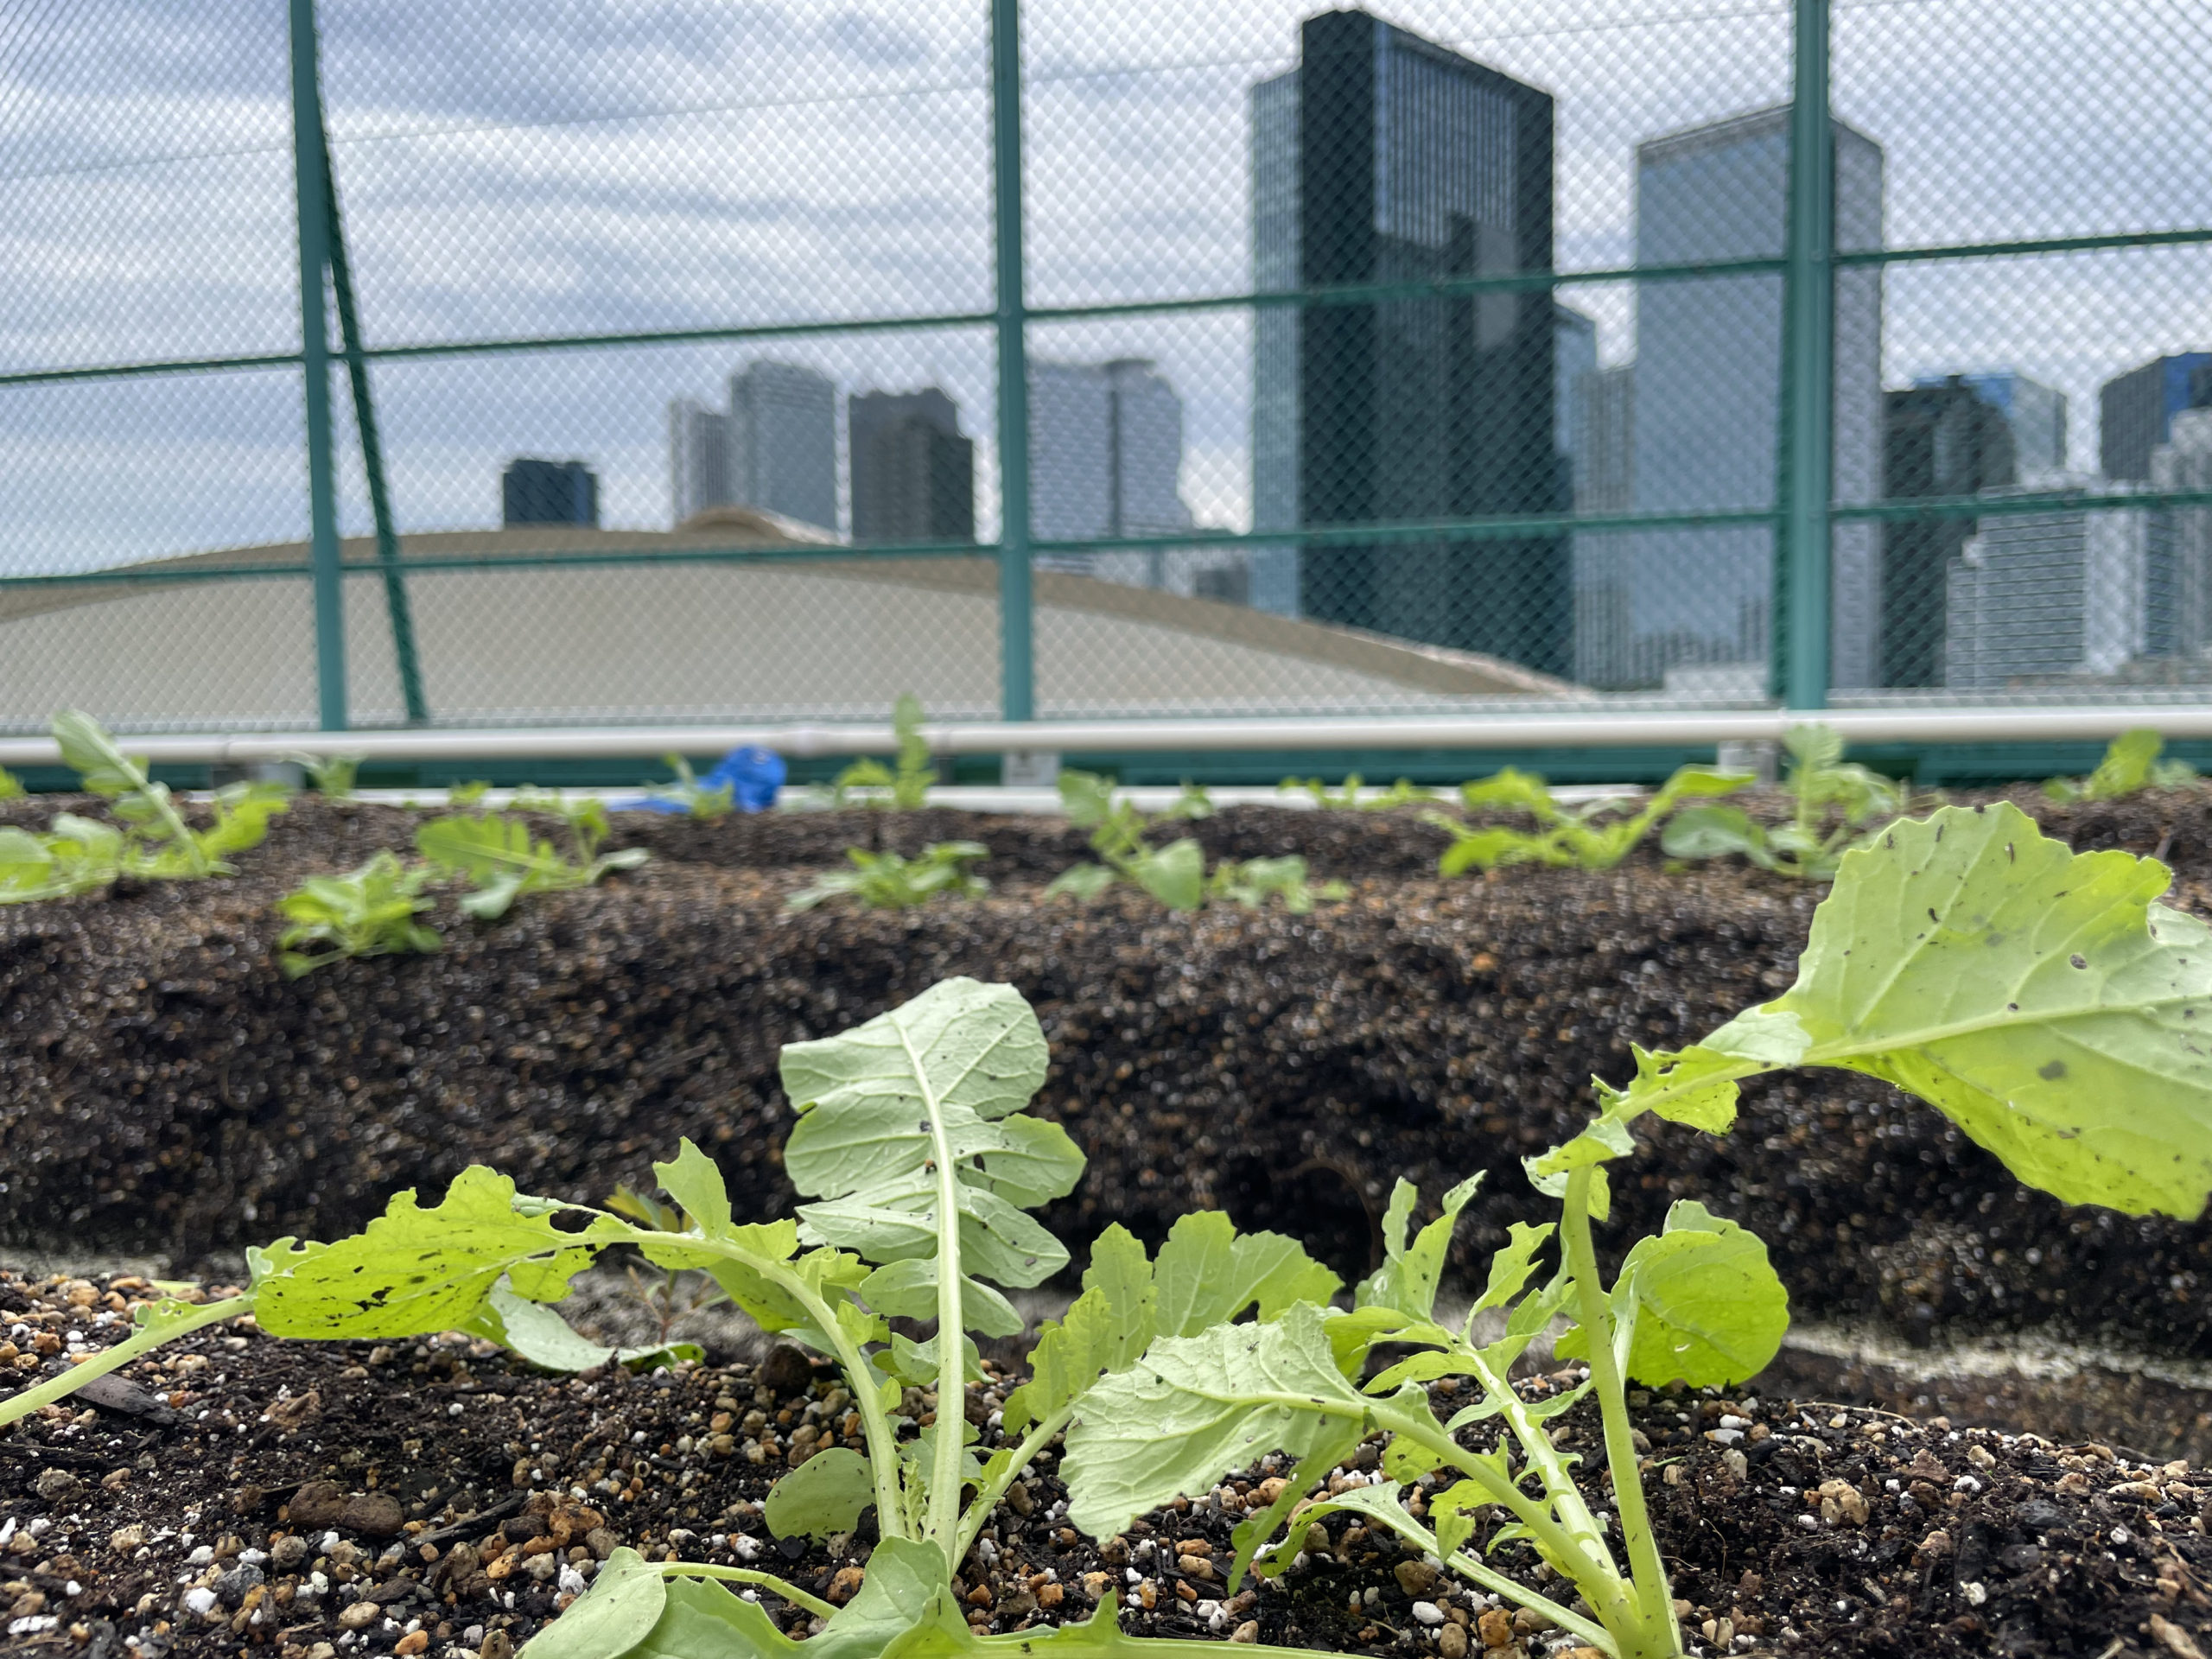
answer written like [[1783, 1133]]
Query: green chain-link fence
[[692, 360]]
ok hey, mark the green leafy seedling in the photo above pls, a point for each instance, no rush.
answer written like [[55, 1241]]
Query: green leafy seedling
[[890, 881], [906, 782], [1175, 874], [77, 854], [1594, 836], [2131, 765], [503, 858], [1350, 798], [2048, 1006], [11, 787], [697, 800], [1836, 805], [1252, 882], [370, 912], [334, 775]]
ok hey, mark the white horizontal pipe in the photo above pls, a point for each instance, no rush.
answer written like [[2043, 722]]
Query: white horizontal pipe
[[1478, 731]]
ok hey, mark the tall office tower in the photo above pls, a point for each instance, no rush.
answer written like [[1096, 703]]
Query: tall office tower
[[533, 492], [1943, 438], [1275, 172], [2069, 594], [1602, 403], [913, 474], [2137, 409], [2036, 413], [2184, 461], [698, 459], [1105, 460], [1381, 158], [1707, 394], [783, 441]]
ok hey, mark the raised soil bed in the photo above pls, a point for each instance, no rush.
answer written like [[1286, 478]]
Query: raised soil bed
[[164, 1092]]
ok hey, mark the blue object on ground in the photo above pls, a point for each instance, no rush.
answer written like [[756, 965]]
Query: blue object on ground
[[754, 774]]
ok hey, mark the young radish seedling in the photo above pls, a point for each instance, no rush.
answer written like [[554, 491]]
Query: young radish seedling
[[892, 882], [2131, 765], [2040, 999], [1583, 838], [1808, 846]]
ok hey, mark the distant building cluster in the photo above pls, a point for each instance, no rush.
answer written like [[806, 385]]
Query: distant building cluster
[[1383, 158]]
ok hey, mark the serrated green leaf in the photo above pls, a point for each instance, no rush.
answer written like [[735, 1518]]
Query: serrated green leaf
[[2041, 999], [1120, 1271], [822, 1496], [1509, 1268], [1407, 1279], [1195, 1408], [1070, 1354], [1208, 1274], [413, 1271]]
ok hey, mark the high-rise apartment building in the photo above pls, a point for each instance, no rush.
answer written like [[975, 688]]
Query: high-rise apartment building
[[913, 474], [698, 459], [2036, 413], [783, 441], [1601, 405], [533, 492], [1708, 383], [1943, 438], [2184, 461], [1384, 157], [1105, 460], [2137, 409], [2035, 598]]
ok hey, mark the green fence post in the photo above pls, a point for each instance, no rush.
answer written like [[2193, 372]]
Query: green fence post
[[1017, 659], [1807, 400], [397, 612], [312, 189]]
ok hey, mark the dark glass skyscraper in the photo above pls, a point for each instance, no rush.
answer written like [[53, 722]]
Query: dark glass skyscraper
[[1944, 439], [2137, 409], [1386, 158], [533, 492], [914, 473]]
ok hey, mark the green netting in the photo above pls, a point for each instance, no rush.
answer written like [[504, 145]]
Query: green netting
[[1351, 361]]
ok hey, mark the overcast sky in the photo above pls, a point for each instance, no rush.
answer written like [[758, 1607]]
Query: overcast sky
[[517, 166]]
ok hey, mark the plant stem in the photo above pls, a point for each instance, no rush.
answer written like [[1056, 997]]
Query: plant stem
[[988, 1500], [1556, 1540], [145, 1340], [882, 1442], [790, 1592], [951, 1326], [1655, 1598]]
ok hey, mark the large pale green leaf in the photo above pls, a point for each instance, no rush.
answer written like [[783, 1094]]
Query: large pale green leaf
[[2039, 998], [414, 1271], [1196, 1408], [942, 1074]]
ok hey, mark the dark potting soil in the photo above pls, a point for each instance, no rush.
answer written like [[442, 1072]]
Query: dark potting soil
[[235, 1494], [163, 1089]]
